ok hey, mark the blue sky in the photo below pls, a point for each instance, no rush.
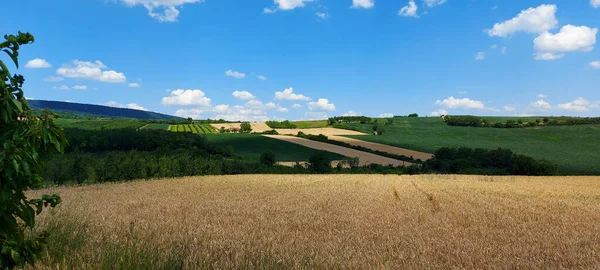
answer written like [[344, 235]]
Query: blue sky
[[317, 58]]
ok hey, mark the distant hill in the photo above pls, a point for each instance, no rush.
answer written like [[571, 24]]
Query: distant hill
[[97, 110]]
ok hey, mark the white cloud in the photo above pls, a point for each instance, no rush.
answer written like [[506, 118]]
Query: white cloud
[[503, 51], [261, 77], [541, 96], [431, 3], [186, 98], [296, 106], [80, 87], [269, 10], [540, 105], [595, 64], [410, 10], [351, 113], [242, 113], [193, 113], [570, 38], [480, 56], [134, 85], [315, 116], [288, 4], [495, 46], [548, 56], [243, 95], [578, 105], [439, 113], [321, 105], [37, 63], [62, 87], [288, 94], [92, 71], [132, 106], [386, 115], [221, 108], [363, 3], [53, 79], [235, 74], [595, 3], [282, 109], [532, 20], [509, 108], [166, 10], [464, 103], [322, 15]]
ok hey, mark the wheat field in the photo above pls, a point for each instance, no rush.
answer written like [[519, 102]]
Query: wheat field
[[327, 221]]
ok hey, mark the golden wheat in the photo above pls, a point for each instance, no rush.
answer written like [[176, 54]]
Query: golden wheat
[[329, 221]]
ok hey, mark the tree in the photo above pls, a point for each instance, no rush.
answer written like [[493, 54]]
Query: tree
[[27, 141], [320, 162], [267, 158], [413, 115], [245, 128]]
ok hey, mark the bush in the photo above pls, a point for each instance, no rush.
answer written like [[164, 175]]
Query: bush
[[245, 128], [267, 158], [320, 162], [413, 115], [284, 124]]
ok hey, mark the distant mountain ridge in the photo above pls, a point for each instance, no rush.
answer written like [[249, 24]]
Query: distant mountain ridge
[[98, 110]]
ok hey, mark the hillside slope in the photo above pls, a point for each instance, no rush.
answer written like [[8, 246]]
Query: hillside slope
[[97, 110]]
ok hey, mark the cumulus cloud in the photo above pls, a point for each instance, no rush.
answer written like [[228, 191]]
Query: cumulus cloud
[[439, 112], [321, 15], [243, 95], [296, 106], [261, 77], [532, 20], [37, 63], [541, 96], [540, 105], [53, 79], [386, 115], [315, 116], [509, 108], [96, 71], [132, 106], [464, 103], [578, 105], [351, 113], [503, 51], [288, 94], [161, 10], [595, 64], [570, 38], [321, 105], [186, 98], [282, 109], [409, 10], [235, 74], [595, 3], [193, 113], [80, 87], [363, 3], [62, 87], [480, 56], [134, 85], [432, 3]]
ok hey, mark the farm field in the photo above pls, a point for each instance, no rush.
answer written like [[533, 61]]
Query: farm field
[[250, 146], [98, 124], [327, 221], [365, 158], [573, 148], [193, 128], [310, 124], [156, 126]]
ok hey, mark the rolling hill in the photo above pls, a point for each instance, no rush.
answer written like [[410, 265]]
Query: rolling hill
[[98, 110]]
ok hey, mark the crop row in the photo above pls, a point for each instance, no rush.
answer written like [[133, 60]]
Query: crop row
[[199, 129]]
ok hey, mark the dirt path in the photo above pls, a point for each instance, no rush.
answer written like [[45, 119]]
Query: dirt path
[[365, 158], [383, 148]]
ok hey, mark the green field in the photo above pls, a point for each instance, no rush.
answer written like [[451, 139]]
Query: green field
[[310, 124], [193, 128], [574, 148], [98, 124], [156, 126], [250, 146]]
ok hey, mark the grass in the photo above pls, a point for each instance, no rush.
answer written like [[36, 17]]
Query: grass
[[194, 128], [310, 124], [157, 126], [573, 148], [327, 222], [250, 146], [98, 124]]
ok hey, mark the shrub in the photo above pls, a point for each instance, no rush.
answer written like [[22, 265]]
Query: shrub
[[245, 128], [267, 158], [320, 162], [413, 115], [284, 124]]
